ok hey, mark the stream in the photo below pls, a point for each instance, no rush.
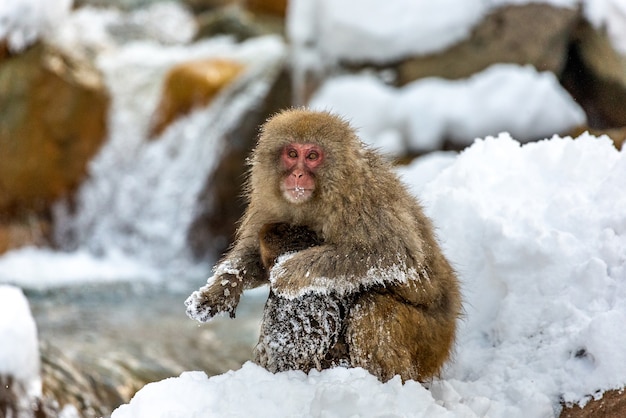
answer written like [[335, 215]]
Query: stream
[[102, 343]]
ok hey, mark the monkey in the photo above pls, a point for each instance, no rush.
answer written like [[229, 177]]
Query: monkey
[[303, 333], [375, 251]]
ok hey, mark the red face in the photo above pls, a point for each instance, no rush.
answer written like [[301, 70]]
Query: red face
[[300, 161]]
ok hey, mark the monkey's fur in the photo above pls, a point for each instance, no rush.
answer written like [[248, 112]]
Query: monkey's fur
[[372, 246], [303, 333]]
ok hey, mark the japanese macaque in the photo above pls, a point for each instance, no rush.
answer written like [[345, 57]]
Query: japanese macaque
[[345, 248]]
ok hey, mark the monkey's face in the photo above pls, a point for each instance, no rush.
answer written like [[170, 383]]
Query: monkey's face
[[299, 163]]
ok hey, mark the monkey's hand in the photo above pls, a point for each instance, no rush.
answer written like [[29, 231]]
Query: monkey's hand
[[218, 297]]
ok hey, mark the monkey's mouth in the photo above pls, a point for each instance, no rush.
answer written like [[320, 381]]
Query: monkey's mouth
[[298, 194]]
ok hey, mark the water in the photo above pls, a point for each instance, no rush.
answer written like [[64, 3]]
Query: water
[[100, 344], [108, 327]]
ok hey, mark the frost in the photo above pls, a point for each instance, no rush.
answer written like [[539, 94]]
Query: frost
[[227, 267], [302, 333], [343, 285], [278, 269]]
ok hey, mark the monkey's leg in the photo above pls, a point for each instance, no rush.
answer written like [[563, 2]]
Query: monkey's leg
[[297, 334], [388, 337]]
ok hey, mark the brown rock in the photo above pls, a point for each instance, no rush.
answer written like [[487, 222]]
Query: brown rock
[[611, 405], [52, 122], [189, 85], [273, 7], [18, 233], [617, 135], [595, 76], [536, 34]]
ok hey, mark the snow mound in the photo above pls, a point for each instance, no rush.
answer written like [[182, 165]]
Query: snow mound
[[423, 114], [19, 352], [254, 392], [537, 233]]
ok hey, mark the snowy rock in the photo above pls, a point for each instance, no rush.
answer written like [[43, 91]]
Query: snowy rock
[[422, 115], [596, 77], [535, 33]]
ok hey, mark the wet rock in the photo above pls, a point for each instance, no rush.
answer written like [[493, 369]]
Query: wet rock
[[595, 76], [238, 22], [190, 85], [535, 33], [272, 7], [23, 231], [66, 386], [53, 121], [612, 404]]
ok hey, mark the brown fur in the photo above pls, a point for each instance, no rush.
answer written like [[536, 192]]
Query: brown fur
[[375, 244]]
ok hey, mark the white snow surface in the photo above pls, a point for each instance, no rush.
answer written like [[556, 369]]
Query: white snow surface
[[421, 115], [537, 233], [22, 22], [362, 30], [19, 351]]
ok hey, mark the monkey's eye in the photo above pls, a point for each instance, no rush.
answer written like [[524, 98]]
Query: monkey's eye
[[313, 155], [292, 153]]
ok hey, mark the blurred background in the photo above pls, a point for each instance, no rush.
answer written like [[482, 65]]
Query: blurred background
[[125, 125]]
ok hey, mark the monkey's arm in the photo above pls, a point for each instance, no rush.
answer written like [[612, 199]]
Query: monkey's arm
[[327, 268], [241, 269]]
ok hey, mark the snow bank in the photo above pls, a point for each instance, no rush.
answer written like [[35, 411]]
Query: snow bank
[[538, 236], [19, 352], [358, 30], [39, 268], [421, 115], [255, 392], [22, 22]]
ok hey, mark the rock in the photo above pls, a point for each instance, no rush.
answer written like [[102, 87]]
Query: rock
[[189, 85], [53, 121], [238, 22], [30, 230], [534, 33], [617, 135], [595, 76], [272, 7], [199, 6], [612, 404], [232, 21]]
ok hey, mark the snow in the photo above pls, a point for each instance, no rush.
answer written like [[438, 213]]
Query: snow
[[20, 357], [22, 22], [255, 392], [39, 268], [421, 115], [610, 15], [334, 31], [537, 233]]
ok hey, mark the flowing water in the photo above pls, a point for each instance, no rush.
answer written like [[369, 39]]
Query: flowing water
[[101, 342]]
